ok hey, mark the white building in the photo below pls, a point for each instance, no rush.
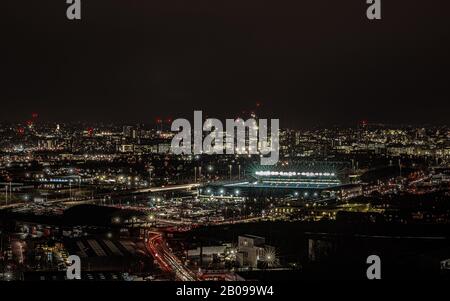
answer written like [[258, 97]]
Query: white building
[[250, 250]]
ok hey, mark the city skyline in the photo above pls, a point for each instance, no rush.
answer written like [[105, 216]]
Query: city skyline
[[121, 200], [234, 144]]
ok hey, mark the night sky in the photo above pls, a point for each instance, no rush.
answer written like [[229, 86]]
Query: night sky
[[308, 62]]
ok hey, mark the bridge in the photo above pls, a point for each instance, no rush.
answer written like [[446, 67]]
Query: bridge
[[168, 188]]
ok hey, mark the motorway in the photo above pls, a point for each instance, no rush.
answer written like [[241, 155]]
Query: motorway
[[99, 198], [166, 260], [167, 188]]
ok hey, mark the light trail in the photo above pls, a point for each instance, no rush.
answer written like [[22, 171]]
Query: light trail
[[166, 260]]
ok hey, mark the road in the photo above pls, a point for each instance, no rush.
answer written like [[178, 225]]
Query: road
[[101, 197], [166, 259], [167, 188]]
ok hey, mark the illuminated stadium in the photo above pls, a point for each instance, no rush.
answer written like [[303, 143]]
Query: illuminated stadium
[[307, 182]]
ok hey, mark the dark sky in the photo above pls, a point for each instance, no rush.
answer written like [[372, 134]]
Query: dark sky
[[309, 62]]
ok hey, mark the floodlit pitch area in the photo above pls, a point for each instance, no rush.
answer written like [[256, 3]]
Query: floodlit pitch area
[[309, 184]]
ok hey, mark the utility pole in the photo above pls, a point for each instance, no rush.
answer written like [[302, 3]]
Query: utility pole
[[195, 174], [150, 170]]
